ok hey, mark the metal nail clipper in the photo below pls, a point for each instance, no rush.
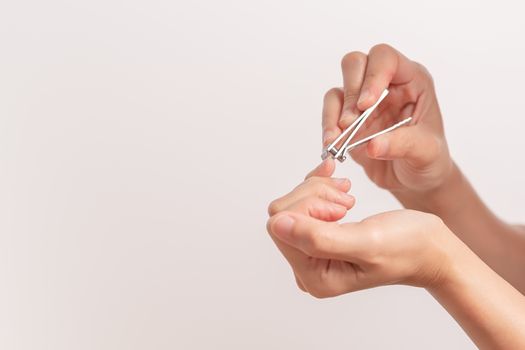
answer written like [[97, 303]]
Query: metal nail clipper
[[340, 154]]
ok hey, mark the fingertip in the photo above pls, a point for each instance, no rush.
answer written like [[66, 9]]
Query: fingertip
[[336, 212], [325, 210], [365, 100], [343, 184], [351, 202], [327, 167], [340, 211], [378, 148], [347, 200]]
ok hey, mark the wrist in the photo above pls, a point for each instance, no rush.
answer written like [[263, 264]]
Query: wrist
[[457, 263], [467, 291], [439, 199]]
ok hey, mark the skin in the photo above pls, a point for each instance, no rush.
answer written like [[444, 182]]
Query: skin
[[472, 267], [414, 162], [398, 247]]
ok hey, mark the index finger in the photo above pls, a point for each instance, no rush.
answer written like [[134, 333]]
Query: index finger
[[325, 169], [385, 66], [332, 106], [353, 66]]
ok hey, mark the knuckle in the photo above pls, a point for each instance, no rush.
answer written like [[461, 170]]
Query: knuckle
[[376, 239], [274, 207], [334, 92], [351, 97], [310, 200], [381, 48], [316, 182], [424, 73], [373, 77], [353, 58], [311, 244], [422, 69], [318, 244], [310, 183], [312, 203], [311, 179], [324, 191], [300, 285], [375, 244]]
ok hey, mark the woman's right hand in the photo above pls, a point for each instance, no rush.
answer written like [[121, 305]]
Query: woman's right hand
[[412, 160]]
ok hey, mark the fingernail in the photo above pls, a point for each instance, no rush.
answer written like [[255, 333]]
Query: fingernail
[[381, 147], [341, 181], [348, 196], [328, 137], [365, 94], [346, 119], [283, 226], [348, 199]]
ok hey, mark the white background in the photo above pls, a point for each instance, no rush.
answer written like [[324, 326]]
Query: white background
[[140, 142]]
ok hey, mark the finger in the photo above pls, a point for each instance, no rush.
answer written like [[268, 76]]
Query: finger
[[415, 143], [332, 105], [330, 189], [300, 284], [325, 169], [353, 66], [319, 208], [296, 258], [385, 66], [321, 174], [317, 238]]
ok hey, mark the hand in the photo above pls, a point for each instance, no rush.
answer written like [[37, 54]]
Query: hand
[[411, 159], [328, 258]]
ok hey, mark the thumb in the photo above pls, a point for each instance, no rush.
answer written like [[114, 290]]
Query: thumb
[[415, 144], [314, 237]]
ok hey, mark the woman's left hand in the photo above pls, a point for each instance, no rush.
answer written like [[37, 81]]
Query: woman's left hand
[[329, 259]]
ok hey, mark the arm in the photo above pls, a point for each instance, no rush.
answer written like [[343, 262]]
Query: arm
[[499, 244], [488, 308]]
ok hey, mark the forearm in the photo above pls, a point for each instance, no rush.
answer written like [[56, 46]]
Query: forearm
[[487, 307], [500, 245]]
